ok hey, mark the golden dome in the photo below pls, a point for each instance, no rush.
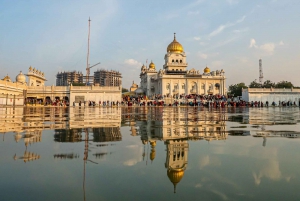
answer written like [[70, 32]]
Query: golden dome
[[153, 144], [206, 70], [175, 47], [152, 65], [152, 154], [175, 177]]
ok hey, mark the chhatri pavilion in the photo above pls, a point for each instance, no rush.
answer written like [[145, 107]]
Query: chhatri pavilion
[[176, 79]]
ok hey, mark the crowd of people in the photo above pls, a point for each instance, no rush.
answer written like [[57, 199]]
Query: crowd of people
[[215, 101]]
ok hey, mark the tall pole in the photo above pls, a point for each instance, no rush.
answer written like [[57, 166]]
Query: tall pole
[[261, 75], [88, 55]]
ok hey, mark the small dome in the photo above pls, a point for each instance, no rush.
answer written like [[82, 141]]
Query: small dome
[[152, 65], [21, 78], [153, 144], [206, 70], [175, 47], [6, 78]]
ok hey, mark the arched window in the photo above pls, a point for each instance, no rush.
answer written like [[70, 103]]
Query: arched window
[[172, 60], [183, 86], [180, 61], [176, 69], [176, 61]]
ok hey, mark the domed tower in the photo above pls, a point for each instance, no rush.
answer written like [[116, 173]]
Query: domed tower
[[175, 59], [151, 66], [177, 159]]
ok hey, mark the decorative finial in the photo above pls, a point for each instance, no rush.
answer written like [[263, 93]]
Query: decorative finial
[[90, 19], [174, 188], [174, 36]]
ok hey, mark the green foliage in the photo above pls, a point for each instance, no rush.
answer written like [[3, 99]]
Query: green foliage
[[284, 84], [255, 84], [124, 90], [236, 89], [268, 84]]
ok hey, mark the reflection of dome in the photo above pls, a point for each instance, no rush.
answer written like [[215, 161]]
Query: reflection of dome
[[175, 177], [175, 47], [153, 144], [152, 65], [206, 70], [152, 154], [21, 78]]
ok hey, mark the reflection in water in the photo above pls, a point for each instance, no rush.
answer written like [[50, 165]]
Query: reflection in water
[[175, 126], [98, 129], [66, 156], [27, 156]]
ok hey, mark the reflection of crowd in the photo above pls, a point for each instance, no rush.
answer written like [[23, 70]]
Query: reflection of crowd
[[48, 102]]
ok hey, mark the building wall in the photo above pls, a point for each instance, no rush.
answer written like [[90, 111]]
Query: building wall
[[271, 94]]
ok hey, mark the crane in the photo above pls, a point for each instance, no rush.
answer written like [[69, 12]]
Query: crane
[[88, 73]]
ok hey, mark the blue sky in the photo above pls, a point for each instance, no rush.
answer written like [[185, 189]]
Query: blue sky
[[222, 34]]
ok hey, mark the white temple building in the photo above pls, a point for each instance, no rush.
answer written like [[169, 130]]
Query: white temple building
[[176, 79]]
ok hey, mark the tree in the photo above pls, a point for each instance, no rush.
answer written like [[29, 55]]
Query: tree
[[236, 89], [268, 84], [284, 84], [255, 84], [124, 90]]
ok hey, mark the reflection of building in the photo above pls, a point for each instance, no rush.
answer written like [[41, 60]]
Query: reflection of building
[[27, 156], [176, 79], [177, 159], [107, 134], [29, 137], [176, 126]]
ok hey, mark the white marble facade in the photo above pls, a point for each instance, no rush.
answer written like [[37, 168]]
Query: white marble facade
[[175, 79]]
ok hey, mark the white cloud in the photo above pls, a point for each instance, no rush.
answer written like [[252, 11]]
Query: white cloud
[[132, 62], [268, 48], [197, 38], [252, 43], [130, 162], [222, 27]]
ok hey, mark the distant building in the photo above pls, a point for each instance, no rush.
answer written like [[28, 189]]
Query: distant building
[[271, 94], [65, 78], [133, 87], [107, 78]]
